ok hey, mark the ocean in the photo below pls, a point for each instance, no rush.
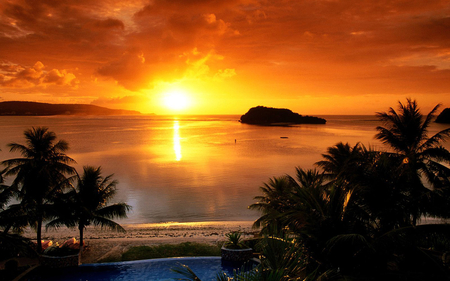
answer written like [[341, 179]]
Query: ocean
[[192, 168]]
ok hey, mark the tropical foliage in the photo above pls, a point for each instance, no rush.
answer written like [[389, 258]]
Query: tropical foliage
[[41, 177], [234, 241], [38, 175], [423, 158], [280, 261], [358, 217], [88, 203]]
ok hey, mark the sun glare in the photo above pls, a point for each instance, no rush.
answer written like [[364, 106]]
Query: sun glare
[[176, 100]]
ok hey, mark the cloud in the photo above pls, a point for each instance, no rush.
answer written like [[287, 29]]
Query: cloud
[[190, 6], [319, 46], [133, 102], [107, 39], [65, 31], [17, 76], [129, 70], [177, 39], [224, 73]]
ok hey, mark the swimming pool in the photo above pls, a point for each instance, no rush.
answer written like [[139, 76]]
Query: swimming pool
[[206, 269]]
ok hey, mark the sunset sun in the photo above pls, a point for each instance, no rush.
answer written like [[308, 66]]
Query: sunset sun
[[176, 100]]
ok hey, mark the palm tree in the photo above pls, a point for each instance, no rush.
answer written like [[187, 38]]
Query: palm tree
[[423, 157], [321, 211], [88, 203], [377, 185], [273, 203], [345, 163], [308, 208], [38, 173]]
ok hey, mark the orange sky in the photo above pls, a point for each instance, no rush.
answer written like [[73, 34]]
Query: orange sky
[[225, 56]]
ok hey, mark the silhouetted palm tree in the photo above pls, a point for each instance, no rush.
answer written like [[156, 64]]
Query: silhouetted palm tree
[[343, 161], [38, 174], [308, 208], [88, 203], [273, 203], [321, 211], [423, 158], [375, 180]]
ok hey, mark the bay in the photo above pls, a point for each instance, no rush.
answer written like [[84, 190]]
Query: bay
[[192, 168]]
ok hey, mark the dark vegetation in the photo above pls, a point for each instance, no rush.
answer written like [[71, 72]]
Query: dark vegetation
[[186, 249], [269, 116], [234, 241], [357, 216], [25, 108], [444, 117], [48, 189]]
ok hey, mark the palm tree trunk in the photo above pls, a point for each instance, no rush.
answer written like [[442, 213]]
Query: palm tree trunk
[[81, 228], [8, 227], [39, 235]]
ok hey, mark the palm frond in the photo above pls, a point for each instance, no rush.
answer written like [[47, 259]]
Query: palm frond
[[185, 271], [282, 256], [351, 240], [59, 222], [438, 153], [435, 140], [118, 210], [14, 245], [106, 223]]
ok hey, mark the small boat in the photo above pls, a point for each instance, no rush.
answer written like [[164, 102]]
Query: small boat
[[284, 137]]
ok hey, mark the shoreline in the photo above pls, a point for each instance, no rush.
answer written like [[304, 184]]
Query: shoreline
[[148, 230], [103, 244]]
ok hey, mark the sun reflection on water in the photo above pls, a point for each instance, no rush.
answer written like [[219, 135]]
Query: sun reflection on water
[[176, 140]]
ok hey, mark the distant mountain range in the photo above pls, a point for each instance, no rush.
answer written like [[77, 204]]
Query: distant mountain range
[[25, 108]]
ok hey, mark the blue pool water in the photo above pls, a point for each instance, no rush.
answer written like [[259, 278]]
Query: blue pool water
[[206, 269]]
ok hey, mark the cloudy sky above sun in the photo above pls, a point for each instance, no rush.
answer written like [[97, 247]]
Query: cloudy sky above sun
[[225, 56]]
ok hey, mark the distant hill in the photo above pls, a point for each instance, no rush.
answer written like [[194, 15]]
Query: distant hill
[[269, 116], [25, 108], [444, 117]]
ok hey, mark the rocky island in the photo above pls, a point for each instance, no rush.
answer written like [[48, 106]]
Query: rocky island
[[269, 116], [25, 108], [444, 117]]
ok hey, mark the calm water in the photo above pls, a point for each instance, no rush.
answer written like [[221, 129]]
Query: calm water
[[204, 168], [206, 268]]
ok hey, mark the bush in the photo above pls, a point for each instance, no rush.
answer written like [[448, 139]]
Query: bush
[[187, 249], [234, 241]]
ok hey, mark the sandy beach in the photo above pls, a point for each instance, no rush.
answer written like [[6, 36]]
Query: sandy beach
[[102, 244]]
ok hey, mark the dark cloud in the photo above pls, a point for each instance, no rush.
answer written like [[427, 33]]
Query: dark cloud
[[130, 70]]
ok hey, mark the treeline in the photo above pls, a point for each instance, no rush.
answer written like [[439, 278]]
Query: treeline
[[26, 108]]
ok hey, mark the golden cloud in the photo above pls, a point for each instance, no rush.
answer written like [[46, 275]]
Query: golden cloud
[[18, 76]]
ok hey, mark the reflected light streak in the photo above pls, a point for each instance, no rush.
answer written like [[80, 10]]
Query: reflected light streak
[[201, 224], [176, 140]]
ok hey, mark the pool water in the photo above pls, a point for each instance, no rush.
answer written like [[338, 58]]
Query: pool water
[[206, 268]]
